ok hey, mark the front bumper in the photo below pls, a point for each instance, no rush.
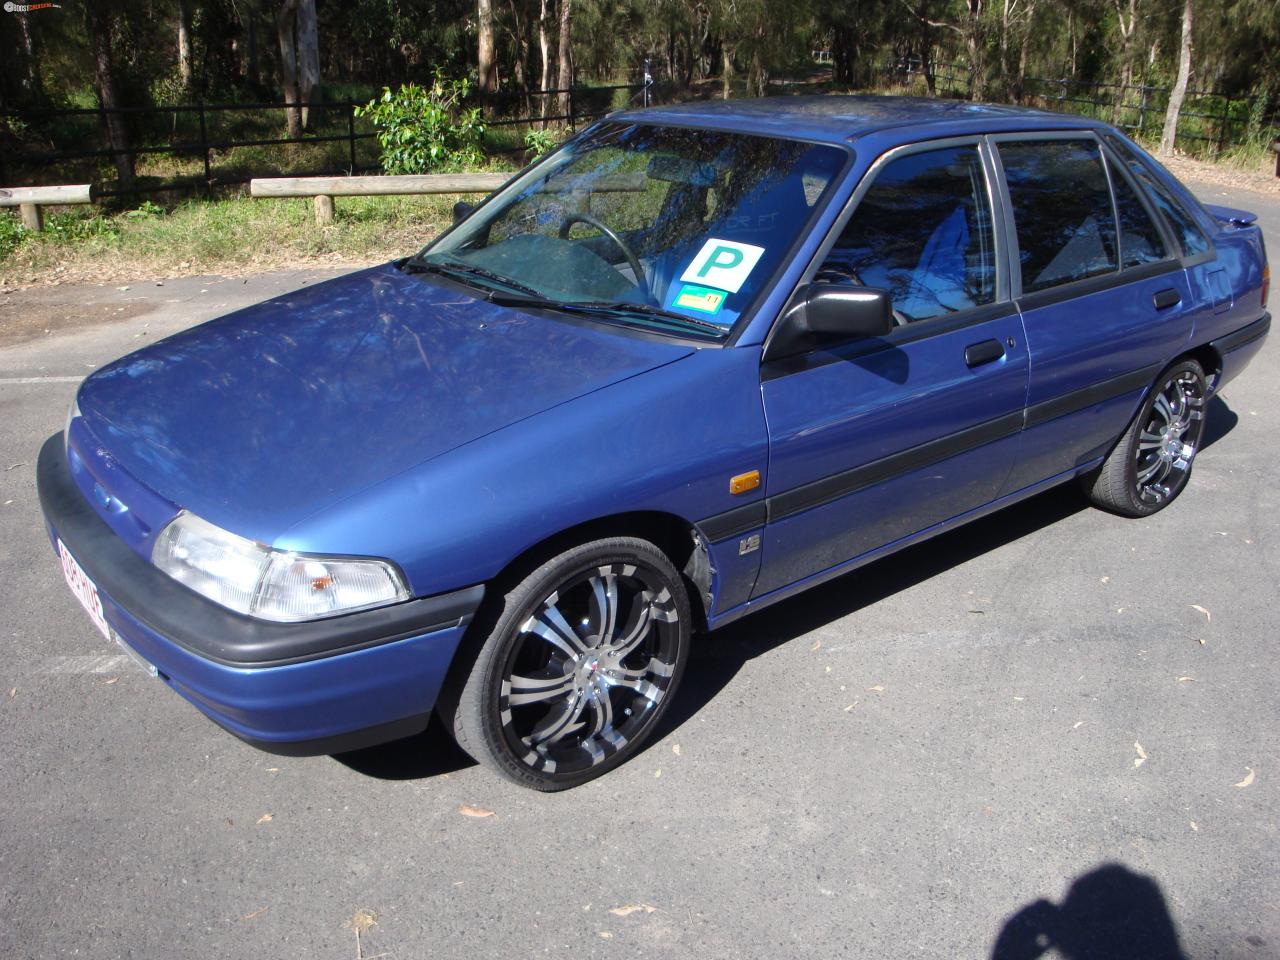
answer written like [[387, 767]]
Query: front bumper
[[306, 688]]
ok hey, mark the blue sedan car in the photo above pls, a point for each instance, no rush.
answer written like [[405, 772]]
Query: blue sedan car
[[699, 359]]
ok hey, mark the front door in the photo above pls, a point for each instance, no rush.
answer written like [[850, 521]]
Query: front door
[[873, 441]]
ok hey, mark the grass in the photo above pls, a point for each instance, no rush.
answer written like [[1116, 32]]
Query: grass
[[235, 235]]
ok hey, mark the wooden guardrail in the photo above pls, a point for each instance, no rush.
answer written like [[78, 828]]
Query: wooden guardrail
[[324, 189], [29, 200]]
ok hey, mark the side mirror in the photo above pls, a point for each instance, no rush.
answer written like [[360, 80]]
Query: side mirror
[[843, 310], [826, 312], [462, 210]]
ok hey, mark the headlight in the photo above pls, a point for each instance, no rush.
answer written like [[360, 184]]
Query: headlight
[[270, 584], [73, 411]]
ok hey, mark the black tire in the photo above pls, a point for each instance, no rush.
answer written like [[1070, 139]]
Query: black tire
[[551, 706], [1151, 464]]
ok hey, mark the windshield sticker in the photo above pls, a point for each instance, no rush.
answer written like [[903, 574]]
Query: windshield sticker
[[723, 264], [702, 299]]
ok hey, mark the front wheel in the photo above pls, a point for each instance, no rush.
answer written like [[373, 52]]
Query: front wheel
[[1151, 464], [578, 666]]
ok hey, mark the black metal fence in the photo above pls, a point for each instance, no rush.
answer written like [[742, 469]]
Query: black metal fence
[[1207, 123], [203, 137]]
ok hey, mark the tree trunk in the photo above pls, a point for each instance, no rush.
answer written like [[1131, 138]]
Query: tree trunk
[[566, 53], [1179, 91], [184, 42], [31, 84], [1022, 54], [289, 66], [975, 47], [726, 54], [544, 50], [104, 77], [308, 57], [486, 67]]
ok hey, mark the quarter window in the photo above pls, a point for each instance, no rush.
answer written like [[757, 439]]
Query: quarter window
[[1189, 235], [1061, 210], [922, 232], [1140, 240]]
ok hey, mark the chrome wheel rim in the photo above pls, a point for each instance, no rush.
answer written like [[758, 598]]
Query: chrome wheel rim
[[589, 667], [1169, 439]]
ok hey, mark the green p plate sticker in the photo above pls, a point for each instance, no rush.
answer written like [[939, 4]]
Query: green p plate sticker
[[702, 299]]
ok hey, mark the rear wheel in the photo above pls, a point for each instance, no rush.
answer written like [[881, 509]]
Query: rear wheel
[[578, 666], [1151, 464]]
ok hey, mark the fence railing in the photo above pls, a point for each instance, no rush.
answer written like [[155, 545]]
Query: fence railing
[[1207, 120], [199, 132]]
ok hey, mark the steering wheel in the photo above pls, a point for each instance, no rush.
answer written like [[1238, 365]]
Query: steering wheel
[[632, 260]]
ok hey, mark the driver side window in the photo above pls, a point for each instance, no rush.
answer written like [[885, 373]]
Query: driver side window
[[923, 232]]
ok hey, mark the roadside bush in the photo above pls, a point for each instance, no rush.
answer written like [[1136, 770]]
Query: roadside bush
[[11, 234], [426, 129], [537, 143]]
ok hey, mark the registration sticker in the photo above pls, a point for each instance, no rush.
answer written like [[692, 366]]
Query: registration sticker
[[84, 589], [723, 264], [702, 299]]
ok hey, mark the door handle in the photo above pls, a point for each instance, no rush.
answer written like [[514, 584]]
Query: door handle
[[976, 354], [1164, 299]]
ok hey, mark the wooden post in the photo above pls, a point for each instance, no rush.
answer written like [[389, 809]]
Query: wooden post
[[324, 210], [31, 218]]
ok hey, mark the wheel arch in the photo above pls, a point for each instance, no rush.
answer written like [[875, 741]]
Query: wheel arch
[[1208, 358], [673, 535]]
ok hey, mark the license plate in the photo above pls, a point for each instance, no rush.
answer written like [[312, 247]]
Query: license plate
[[84, 589]]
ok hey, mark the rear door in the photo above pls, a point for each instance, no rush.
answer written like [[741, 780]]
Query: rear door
[[872, 441], [1104, 299]]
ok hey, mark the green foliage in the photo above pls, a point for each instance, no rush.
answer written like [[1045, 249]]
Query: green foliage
[[425, 129], [537, 143], [11, 234]]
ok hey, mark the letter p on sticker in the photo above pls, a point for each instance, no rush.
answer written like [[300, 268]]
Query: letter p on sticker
[[723, 264]]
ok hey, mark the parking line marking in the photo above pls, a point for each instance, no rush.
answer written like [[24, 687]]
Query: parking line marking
[[68, 666], [7, 380]]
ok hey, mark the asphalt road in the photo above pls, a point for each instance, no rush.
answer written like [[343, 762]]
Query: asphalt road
[[893, 765]]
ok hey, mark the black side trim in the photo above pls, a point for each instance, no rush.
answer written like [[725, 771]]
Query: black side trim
[[1060, 406], [1106, 281], [733, 522], [842, 484], [1247, 334], [342, 742], [202, 626]]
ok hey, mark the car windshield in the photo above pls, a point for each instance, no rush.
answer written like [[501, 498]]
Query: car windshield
[[668, 228]]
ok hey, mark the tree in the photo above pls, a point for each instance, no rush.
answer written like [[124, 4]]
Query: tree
[[100, 22], [298, 34], [1179, 92], [487, 67], [566, 54], [184, 43]]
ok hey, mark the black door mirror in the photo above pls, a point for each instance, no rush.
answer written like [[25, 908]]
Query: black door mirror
[[824, 313], [462, 210], [847, 311]]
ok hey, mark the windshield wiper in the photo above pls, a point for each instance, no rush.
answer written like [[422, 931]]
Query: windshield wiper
[[468, 269], [610, 308]]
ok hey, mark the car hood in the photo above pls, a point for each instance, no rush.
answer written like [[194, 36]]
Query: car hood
[[263, 417]]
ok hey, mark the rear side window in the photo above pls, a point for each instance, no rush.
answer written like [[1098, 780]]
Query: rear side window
[[1140, 240], [1189, 235], [922, 232], [1061, 211]]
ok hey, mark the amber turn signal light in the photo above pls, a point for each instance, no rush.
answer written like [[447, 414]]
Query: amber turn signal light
[[744, 482]]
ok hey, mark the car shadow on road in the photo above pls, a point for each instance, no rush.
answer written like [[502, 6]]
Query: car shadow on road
[[1110, 913], [715, 661]]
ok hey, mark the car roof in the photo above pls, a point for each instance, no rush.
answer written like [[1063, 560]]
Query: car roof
[[840, 119]]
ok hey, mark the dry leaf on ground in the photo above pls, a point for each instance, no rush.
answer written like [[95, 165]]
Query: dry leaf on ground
[[1248, 778], [257, 913], [877, 688], [265, 818], [1141, 758], [817, 645], [631, 908], [362, 921], [1186, 680], [1208, 617], [470, 811], [675, 748]]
